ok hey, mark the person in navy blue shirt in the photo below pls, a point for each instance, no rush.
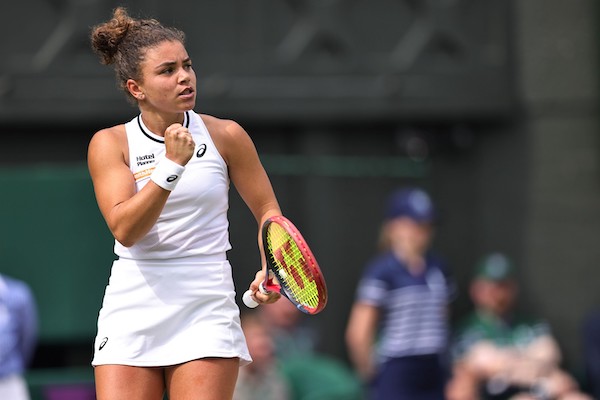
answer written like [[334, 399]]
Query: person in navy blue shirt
[[397, 333], [591, 352], [18, 336]]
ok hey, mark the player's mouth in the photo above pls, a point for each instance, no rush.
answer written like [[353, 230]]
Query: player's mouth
[[187, 93]]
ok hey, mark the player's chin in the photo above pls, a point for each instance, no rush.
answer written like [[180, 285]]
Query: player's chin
[[186, 102]]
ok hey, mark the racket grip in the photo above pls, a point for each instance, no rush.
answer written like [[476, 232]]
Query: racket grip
[[263, 289], [248, 300]]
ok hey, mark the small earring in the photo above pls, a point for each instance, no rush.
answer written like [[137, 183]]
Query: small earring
[[141, 96]]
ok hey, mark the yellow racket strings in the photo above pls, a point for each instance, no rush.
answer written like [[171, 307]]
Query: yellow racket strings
[[291, 269]]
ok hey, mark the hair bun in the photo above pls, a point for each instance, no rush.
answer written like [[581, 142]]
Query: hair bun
[[107, 36]]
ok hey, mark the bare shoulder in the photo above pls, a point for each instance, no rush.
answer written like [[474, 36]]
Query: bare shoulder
[[108, 142], [229, 136], [222, 127], [114, 134]]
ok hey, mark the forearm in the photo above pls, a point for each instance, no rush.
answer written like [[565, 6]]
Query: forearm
[[130, 220], [361, 357], [360, 338], [463, 385], [488, 361], [516, 368]]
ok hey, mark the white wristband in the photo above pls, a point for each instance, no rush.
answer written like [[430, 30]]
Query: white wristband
[[167, 173]]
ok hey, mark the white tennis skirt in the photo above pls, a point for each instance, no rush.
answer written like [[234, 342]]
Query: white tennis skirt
[[160, 313]]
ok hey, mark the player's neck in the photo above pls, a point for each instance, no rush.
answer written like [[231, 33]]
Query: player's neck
[[158, 123]]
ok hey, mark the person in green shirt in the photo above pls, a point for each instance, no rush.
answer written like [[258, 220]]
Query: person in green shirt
[[499, 354]]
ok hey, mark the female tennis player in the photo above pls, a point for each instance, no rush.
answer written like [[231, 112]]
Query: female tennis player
[[169, 321]]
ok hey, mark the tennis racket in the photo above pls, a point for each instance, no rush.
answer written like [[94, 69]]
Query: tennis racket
[[291, 268]]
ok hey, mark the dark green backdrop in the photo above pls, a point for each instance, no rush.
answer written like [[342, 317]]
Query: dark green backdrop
[[53, 237]]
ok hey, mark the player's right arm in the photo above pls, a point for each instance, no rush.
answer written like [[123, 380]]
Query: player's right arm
[[129, 215]]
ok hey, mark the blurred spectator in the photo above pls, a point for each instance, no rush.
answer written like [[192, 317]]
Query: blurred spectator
[[293, 332], [261, 379], [591, 352], [311, 374], [398, 326], [501, 355], [18, 336], [321, 377]]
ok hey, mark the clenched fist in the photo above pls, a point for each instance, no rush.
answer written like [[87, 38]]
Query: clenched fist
[[179, 144]]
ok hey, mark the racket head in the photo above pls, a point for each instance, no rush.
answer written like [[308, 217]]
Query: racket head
[[290, 260]]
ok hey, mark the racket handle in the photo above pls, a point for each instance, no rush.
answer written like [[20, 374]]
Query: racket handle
[[248, 300], [263, 289]]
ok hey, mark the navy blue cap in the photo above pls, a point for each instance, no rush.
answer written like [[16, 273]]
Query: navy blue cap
[[413, 203]]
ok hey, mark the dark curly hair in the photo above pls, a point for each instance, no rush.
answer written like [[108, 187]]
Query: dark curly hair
[[122, 42]]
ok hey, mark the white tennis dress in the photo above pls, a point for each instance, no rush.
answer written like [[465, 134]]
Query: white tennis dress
[[170, 297]]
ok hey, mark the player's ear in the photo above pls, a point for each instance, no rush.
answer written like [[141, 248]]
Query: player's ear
[[135, 89]]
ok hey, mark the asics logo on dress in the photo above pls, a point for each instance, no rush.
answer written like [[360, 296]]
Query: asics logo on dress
[[103, 343], [201, 150]]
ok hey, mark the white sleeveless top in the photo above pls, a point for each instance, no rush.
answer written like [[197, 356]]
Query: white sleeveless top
[[194, 220]]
